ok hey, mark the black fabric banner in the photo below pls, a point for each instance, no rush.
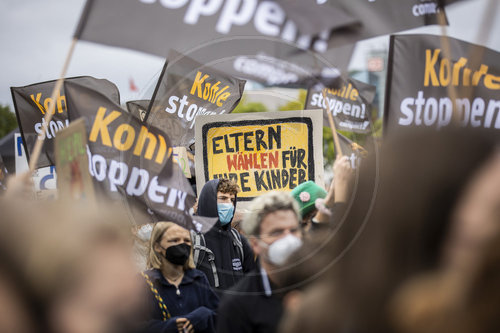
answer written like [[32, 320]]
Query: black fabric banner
[[31, 103], [132, 160], [418, 78], [187, 89], [156, 26], [352, 150], [350, 104], [138, 108], [382, 17]]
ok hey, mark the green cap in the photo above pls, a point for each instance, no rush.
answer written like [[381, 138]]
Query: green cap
[[306, 194]]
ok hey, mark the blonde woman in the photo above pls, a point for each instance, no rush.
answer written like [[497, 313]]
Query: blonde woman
[[181, 298]]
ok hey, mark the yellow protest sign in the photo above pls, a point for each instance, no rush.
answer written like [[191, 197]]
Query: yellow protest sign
[[261, 152]]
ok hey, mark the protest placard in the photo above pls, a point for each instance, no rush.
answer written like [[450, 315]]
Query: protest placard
[[181, 158], [424, 101], [72, 164], [260, 151]]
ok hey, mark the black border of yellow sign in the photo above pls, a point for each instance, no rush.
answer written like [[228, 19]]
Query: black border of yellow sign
[[304, 120]]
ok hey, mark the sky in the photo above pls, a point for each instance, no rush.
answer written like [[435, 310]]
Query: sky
[[35, 36]]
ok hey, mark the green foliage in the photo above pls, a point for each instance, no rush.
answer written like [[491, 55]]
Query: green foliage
[[8, 120], [328, 146], [244, 107], [296, 105]]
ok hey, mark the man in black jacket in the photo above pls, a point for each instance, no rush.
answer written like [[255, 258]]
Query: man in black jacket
[[255, 303], [222, 253]]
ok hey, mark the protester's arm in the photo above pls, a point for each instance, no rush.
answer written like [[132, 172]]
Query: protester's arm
[[339, 191], [19, 187], [204, 317], [249, 259]]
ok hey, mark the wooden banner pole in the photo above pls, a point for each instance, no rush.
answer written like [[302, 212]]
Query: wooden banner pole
[[445, 45], [332, 126], [35, 154]]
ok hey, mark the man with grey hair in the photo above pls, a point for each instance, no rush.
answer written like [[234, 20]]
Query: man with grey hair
[[272, 226]]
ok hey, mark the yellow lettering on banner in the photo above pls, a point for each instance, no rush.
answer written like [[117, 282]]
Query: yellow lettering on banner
[[430, 71], [483, 70], [198, 81], [143, 136], [129, 138], [354, 95], [222, 97], [47, 103], [489, 82], [37, 101], [60, 99], [444, 72], [101, 126], [456, 69]]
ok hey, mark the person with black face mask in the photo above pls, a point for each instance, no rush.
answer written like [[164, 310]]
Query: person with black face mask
[[181, 298]]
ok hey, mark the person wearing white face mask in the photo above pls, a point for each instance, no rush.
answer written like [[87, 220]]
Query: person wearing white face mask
[[255, 303]]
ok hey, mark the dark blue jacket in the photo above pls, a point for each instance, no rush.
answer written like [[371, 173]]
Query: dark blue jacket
[[246, 308], [230, 267], [196, 302]]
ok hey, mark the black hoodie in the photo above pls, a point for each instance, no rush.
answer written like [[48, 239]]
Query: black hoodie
[[230, 268]]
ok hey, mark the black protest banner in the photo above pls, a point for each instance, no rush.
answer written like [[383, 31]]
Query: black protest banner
[[147, 25], [187, 89], [138, 108], [419, 76], [129, 159], [349, 103], [382, 17], [261, 152], [31, 103], [352, 150]]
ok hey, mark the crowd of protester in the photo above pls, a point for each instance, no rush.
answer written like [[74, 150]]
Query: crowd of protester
[[407, 242]]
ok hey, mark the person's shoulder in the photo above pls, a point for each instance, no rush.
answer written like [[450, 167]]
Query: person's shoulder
[[248, 283], [196, 275], [238, 295]]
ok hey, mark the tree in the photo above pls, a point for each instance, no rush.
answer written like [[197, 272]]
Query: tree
[[8, 120], [296, 105], [244, 107]]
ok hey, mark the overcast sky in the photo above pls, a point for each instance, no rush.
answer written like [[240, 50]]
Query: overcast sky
[[35, 36]]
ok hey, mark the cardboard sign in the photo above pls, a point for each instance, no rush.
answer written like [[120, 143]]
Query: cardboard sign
[[72, 164], [180, 157], [260, 152]]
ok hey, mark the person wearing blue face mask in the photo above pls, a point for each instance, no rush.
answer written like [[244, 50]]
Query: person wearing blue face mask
[[223, 254]]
